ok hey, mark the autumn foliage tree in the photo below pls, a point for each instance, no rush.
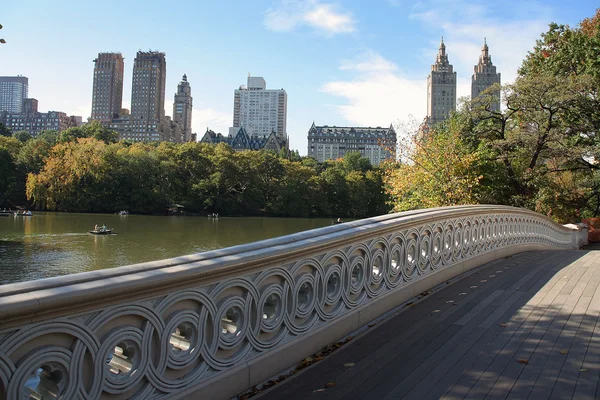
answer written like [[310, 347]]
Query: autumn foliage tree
[[440, 170]]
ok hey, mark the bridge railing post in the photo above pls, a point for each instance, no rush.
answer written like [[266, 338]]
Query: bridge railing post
[[580, 234]]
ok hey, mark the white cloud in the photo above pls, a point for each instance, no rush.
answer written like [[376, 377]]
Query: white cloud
[[379, 94], [82, 110], [216, 120], [323, 17], [369, 62]]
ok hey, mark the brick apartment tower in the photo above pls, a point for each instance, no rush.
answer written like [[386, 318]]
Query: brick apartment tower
[[107, 93], [148, 93]]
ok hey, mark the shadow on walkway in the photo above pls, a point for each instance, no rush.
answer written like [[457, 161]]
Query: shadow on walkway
[[521, 327]]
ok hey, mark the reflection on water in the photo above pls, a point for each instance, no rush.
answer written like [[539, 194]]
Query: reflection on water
[[52, 244]]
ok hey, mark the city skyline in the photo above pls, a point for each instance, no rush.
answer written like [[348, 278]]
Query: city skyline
[[343, 63]]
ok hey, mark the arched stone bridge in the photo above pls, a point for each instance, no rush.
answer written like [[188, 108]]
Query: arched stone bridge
[[214, 324]]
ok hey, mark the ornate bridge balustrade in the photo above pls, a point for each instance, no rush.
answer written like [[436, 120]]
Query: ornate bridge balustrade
[[211, 325]]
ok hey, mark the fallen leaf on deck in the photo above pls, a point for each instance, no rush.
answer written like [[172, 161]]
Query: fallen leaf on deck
[[330, 384], [503, 325], [522, 361], [269, 384], [563, 352]]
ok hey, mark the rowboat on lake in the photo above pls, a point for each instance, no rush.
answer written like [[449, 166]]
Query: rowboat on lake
[[24, 214], [102, 231]]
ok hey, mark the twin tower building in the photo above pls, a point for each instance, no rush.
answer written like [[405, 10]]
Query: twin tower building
[[441, 84], [147, 120]]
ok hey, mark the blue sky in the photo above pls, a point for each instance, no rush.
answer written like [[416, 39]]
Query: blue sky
[[352, 62]]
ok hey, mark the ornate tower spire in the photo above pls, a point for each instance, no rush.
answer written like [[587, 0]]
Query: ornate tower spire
[[442, 57], [485, 58]]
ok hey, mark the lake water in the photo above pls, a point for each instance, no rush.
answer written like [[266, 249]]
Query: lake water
[[53, 244]]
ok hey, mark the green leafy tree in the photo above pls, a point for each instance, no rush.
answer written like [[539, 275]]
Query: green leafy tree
[[22, 136], [11, 174], [297, 194], [93, 129], [32, 155], [354, 161], [4, 131]]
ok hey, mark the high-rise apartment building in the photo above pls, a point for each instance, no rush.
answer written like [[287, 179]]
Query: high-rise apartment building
[[441, 88], [13, 90], [484, 75], [148, 95], [107, 92], [182, 108], [259, 110]]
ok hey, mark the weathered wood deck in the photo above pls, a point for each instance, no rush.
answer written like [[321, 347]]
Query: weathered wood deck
[[522, 327]]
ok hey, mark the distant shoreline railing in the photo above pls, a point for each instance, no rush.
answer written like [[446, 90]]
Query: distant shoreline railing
[[216, 323]]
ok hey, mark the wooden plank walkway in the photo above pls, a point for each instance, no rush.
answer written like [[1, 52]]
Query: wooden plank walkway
[[522, 327]]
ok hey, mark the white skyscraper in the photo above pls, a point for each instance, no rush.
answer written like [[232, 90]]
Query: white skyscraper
[[258, 110]]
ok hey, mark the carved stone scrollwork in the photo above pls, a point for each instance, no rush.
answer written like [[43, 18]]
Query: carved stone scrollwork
[[157, 345]]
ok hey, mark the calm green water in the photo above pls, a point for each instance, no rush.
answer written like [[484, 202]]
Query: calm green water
[[52, 244]]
